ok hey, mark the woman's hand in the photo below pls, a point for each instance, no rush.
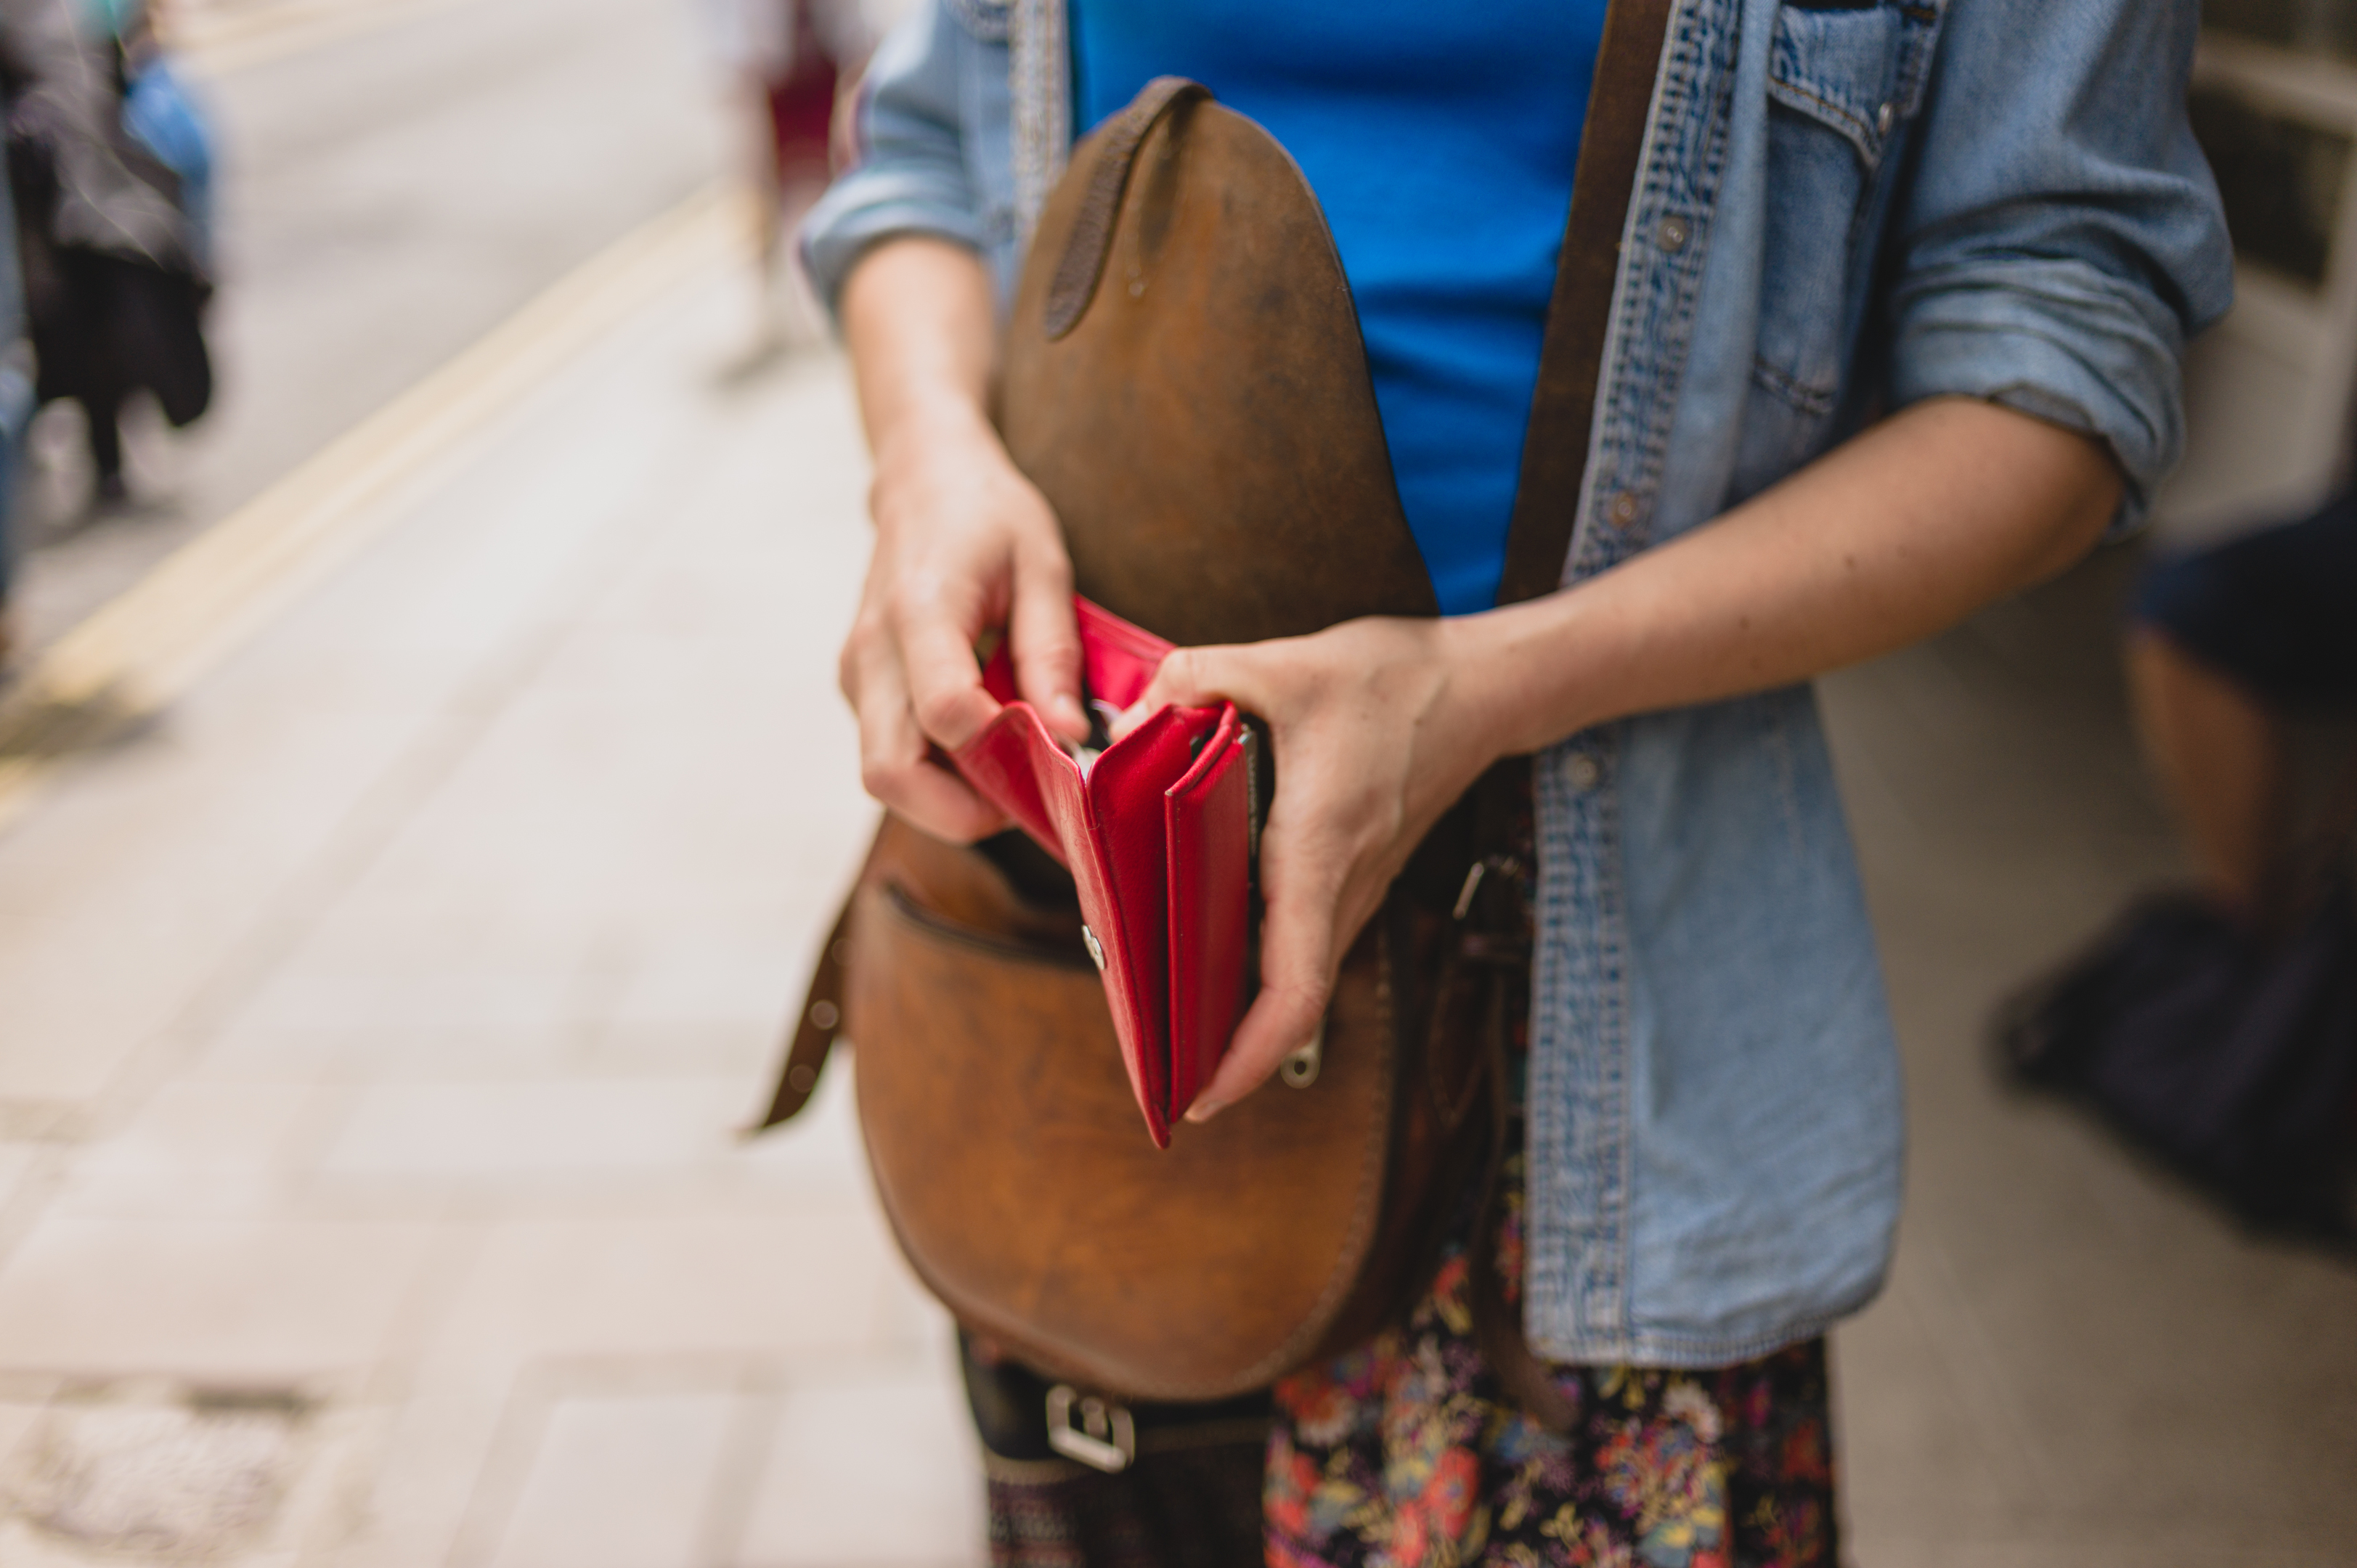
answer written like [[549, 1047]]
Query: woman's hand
[[965, 545], [1378, 725]]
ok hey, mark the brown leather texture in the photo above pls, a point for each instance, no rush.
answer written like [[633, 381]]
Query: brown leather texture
[[814, 1030], [1005, 1143], [1073, 284], [1207, 429]]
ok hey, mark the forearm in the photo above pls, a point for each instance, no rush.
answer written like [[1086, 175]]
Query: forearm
[[1894, 536], [917, 319]]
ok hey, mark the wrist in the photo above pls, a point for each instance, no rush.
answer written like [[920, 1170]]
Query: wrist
[[945, 425], [1521, 676], [1480, 685]]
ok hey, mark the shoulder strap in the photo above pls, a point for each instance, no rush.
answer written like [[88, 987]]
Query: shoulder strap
[[1546, 505], [1563, 408]]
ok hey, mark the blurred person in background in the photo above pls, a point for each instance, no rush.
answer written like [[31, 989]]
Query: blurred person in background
[[1904, 296], [40, 51], [2216, 1027], [105, 235], [2225, 643], [112, 185], [790, 61]]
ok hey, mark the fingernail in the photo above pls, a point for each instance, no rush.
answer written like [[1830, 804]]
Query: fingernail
[[1202, 1111]]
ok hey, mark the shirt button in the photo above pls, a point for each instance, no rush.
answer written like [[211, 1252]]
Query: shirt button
[[1582, 771], [1624, 508], [1882, 118], [1673, 234]]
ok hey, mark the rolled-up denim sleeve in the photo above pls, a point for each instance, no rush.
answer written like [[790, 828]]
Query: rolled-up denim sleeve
[[910, 173], [2061, 237]]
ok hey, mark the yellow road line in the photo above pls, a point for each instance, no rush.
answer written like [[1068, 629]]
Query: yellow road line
[[154, 642]]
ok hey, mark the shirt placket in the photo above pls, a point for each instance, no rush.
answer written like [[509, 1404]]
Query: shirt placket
[[1583, 1159]]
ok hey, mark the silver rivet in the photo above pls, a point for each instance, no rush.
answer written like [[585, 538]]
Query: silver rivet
[[801, 1079], [1299, 1069], [1673, 234], [1096, 948], [1624, 508], [823, 1015], [1583, 772], [1882, 118]]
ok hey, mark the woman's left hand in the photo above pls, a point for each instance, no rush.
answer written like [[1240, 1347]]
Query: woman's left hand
[[1378, 729]]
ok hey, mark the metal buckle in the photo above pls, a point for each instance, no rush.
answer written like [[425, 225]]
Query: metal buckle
[[1473, 876], [1104, 1438]]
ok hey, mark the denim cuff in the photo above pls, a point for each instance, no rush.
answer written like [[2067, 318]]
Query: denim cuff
[[2062, 342], [867, 207]]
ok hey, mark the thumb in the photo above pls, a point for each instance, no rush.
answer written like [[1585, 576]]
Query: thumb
[[1195, 677]]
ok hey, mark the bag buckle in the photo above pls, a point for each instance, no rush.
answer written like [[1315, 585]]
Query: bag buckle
[[1104, 1437]]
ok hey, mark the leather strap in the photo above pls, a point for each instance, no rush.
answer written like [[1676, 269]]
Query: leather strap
[[1075, 281], [1580, 315], [1538, 542], [815, 1030], [1527, 1380]]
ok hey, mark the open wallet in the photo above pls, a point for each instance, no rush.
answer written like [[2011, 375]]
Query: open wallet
[[1158, 830]]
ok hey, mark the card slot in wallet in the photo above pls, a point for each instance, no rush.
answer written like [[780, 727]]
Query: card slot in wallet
[[1156, 832]]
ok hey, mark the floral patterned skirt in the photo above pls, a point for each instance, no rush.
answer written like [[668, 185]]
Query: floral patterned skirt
[[1402, 1454]]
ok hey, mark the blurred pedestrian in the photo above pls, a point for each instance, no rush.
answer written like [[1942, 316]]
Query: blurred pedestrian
[[2226, 643], [2217, 1026], [1896, 332], [16, 405], [790, 61], [114, 257], [44, 73]]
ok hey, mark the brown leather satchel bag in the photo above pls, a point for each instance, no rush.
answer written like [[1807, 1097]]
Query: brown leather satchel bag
[[1186, 383]]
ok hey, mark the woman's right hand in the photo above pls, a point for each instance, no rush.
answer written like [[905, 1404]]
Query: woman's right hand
[[965, 545]]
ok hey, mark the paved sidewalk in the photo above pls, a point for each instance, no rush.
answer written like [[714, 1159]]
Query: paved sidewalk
[[2076, 1365], [376, 1027], [374, 1030]]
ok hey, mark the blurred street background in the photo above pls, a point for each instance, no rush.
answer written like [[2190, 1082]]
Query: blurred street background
[[426, 791]]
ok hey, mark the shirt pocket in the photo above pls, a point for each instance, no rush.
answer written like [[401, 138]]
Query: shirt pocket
[[1843, 85]]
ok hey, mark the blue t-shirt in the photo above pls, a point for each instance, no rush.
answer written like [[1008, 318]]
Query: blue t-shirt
[[1441, 142]]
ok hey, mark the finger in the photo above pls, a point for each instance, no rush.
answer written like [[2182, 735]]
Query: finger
[[1192, 676], [944, 682], [1299, 950], [939, 801], [1047, 643], [896, 765]]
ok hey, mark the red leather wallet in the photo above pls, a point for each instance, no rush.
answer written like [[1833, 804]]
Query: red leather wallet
[[1156, 831]]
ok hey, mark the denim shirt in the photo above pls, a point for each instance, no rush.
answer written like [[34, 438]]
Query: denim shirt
[[1840, 211]]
